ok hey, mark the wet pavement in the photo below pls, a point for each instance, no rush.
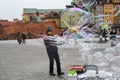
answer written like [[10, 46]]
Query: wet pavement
[[27, 62]]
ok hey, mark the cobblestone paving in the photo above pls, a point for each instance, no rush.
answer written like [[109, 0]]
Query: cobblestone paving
[[26, 62]]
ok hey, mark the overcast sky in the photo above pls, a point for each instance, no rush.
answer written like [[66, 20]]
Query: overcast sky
[[10, 9]]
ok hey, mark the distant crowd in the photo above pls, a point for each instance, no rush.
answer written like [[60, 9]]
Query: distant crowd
[[21, 37]]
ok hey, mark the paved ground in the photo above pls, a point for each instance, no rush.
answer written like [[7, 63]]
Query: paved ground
[[26, 62]]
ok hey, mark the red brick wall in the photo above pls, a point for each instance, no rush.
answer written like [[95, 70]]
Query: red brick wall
[[10, 31]]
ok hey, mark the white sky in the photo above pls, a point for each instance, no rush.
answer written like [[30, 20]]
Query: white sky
[[10, 9]]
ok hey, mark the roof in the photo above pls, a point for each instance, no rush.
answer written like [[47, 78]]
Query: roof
[[29, 10], [34, 10]]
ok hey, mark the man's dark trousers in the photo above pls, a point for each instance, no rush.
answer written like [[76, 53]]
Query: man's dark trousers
[[52, 52]]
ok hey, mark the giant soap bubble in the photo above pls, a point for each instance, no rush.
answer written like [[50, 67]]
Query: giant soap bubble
[[75, 19], [78, 21], [105, 57]]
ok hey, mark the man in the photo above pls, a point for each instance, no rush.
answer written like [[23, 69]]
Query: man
[[113, 37], [104, 34], [24, 37], [19, 37], [52, 52]]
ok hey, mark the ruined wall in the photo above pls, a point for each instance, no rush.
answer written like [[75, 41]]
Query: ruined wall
[[9, 31]]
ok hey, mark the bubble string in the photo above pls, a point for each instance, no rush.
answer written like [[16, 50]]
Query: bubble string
[[88, 6], [83, 26], [115, 8], [88, 2], [99, 19], [83, 5], [65, 23], [117, 13]]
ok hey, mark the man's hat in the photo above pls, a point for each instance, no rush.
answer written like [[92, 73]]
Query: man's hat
[[48, 29]]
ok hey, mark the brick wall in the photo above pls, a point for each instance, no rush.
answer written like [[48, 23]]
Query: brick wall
[[9, 31]]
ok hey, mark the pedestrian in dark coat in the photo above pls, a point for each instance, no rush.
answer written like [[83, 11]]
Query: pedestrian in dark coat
[[112, 34], [19, 37], [104, 34], [113, 37], [24, 37]]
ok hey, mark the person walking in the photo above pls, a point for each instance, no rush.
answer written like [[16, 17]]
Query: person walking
[[104, 34], [24, 37], [112, 33], [113, 37], [19, 37], [52, 52]]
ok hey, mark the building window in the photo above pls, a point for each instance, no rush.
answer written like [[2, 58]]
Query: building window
[[106, 7], [110, 7], [106, 21], [96, 2], [110, 22], [106, 13], [108, 1], [116, 21], [110, 13], [31, 18]]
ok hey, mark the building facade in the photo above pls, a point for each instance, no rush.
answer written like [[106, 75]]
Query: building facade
[[99, 11], [112, 13], [108, 12], [30, 14], [41, 15]]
